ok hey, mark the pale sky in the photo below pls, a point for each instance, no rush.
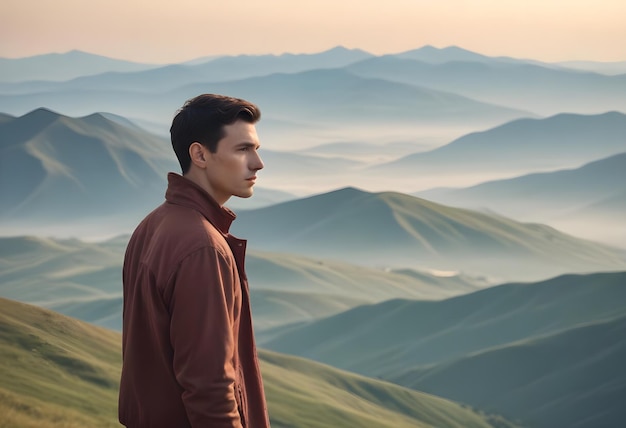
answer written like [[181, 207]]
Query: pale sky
[[179, 30]]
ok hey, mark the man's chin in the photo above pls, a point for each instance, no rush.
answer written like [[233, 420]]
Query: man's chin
[[245, 195]]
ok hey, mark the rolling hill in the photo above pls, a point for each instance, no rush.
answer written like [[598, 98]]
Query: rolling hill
[[59, 372], [395, 230], [547, 354], [83, 280]]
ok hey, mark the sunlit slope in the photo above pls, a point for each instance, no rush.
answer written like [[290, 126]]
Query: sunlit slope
[[570, 378], [56, 371], [391, 338], [60, 372], [394, 229]]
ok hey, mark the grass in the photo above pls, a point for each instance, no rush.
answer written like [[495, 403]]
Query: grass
[[58, 372]]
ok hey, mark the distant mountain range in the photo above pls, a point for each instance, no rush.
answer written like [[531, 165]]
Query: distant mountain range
[[314, 97], [517, 147], [418, 93], [569, 199], [532, 352], [64, 66], [525, 85], [393, 229], [69, 371]]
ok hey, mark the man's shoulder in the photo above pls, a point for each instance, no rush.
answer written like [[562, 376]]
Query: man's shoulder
[[180, 229]]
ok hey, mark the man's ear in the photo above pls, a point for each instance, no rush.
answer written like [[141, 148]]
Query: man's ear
[[197, 153]]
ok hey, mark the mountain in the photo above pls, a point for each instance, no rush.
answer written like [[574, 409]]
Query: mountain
[[84, 280], [392, 229], [171, 76], [433, 55], [539, 88], [65, 66], [434, 332], [546, 353], [54, 167], [609, 68], [589, 201], [60, 372], [544, 194], [515, 148], [570, 378]]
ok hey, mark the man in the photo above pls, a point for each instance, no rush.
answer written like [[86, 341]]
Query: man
[[189, 358]]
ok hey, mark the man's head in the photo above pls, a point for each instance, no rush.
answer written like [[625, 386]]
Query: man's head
[[202, 119], [215, 140]]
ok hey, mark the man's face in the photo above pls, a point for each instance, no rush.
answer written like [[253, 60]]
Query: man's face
[[231, 170]]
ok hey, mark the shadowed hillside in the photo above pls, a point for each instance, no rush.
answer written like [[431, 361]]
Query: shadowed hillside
[[429, 332], [546, 353], [59, 372], [544, 382]]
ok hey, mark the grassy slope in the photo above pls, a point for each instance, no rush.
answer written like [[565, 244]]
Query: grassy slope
[[60, 372], [56, 371]]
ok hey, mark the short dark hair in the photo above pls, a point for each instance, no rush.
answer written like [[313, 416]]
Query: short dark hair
[[202, 119]]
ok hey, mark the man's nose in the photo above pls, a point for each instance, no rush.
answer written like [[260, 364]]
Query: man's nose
[[257, 162]]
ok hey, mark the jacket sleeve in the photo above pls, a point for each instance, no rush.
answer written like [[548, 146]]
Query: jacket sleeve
[[202, 309]]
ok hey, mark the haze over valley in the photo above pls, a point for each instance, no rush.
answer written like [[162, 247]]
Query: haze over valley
[[437, 237]]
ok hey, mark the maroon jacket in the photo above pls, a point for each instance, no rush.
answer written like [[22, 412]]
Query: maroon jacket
[[189, 358]]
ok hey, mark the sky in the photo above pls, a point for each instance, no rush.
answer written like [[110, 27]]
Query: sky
[[157, 31]]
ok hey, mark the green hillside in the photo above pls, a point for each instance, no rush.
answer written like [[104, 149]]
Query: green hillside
[[56, 371], [59, 372], [83, 280], [398, 230]]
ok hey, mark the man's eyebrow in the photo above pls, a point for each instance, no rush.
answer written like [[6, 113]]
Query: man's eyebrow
[[248, 144]]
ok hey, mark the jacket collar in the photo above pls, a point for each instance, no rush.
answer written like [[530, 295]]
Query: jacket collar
[[184, 192]]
